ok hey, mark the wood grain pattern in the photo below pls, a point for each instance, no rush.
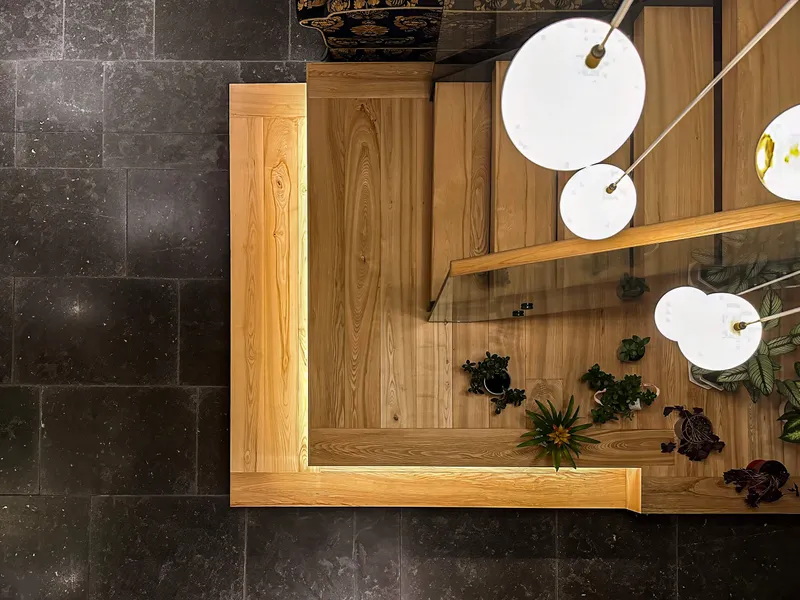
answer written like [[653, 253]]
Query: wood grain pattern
[[665, 36], [435, 487], [523, 214], [462, 150], [258, 100], [705, 495], [679, 168], [369, 80], [362, 263], [326, 317], [460, 225], [476, 448], [754, 93], [248, 369], [267, 303], [658, 233]]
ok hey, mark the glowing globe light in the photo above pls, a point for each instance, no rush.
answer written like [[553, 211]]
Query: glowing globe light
[[589, 211], [563, 115], [778, 155], [674, 310]]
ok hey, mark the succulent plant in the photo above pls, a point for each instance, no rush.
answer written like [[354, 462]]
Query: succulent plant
[[555, 433]]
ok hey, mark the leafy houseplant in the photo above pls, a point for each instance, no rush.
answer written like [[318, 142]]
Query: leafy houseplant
[[763, 480], [695, 434], [597, 379], [618, 397], [632, 349], [555, 433], [490, 376], [630, 287]]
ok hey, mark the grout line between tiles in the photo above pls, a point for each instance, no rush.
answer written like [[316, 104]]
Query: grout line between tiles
[[178, 337], [39, 437], [289, 31], [558, 558], [63, 28], [244, 553], [154, 29], [13, 331], [114, 385], [677, 555], [197, 441], [14, 126], [400, 558], [124, 237], [89, 545]]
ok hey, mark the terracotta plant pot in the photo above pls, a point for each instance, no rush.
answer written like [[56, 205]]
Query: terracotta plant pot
[[636, 405], [497, 386]]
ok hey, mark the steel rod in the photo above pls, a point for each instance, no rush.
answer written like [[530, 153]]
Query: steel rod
[[769, 283], [750, 45]]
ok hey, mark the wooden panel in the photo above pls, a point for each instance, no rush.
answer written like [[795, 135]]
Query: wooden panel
[[680, 167], [362, 263], [659, 233], [523, 214], [461, 158], [431, 486], [369, 80], [755, 92], [460, 227], [259, 100], [267, 404], [705, 495], [326, 329], [404, 129], [476, 447], [248, 284]]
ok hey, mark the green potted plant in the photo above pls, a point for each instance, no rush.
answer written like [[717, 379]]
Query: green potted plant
[[597, 379], [632, 349], [630, 287], [619, 397], [490, 376], [555, 433]]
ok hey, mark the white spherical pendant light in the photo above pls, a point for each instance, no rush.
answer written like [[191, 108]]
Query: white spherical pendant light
[[711, 342], [674, 310], [778, 155], [563, 115], [589, 211]]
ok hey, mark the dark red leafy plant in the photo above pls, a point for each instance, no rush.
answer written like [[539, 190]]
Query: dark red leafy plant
[[696, 438], [763, 481]]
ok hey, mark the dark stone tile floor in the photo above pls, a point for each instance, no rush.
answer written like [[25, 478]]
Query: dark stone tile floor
[[114, 343]]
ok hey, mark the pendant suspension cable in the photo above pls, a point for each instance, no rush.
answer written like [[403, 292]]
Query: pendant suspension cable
[[750, 45], [769, 283], [599, 51], [786, 313]]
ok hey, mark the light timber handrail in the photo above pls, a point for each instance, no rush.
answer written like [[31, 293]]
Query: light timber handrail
[[659, 233]]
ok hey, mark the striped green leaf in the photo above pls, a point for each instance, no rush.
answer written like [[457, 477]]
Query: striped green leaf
[[790, 391], [740, 373], [762, 374], [770, 305], [791, 430], [704, 257], [781, 345]]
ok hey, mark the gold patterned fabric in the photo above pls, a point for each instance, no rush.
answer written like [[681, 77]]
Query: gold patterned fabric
[[403, 30]]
